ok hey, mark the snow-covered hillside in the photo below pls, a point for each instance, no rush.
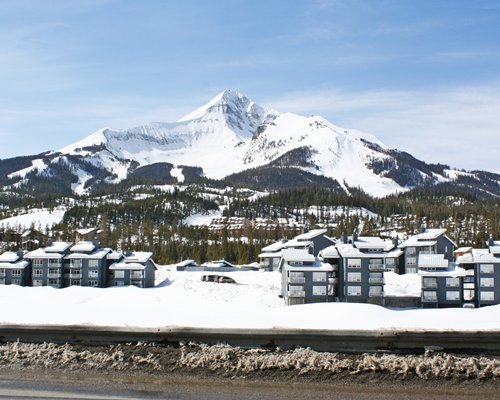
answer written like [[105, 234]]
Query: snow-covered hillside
[[231, 134]]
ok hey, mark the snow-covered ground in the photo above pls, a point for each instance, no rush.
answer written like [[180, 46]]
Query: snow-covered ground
[[182, 299], [39, 217]]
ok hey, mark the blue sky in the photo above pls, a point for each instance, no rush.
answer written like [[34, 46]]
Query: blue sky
[[423, 76]]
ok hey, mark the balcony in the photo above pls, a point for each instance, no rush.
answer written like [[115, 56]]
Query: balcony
[[376, 294], [2, 274], [296, 279], [297, 293], [53, 275], [376, 281], [136, 275], [376, 267], [75, 275], [54, 265], [429, 285]]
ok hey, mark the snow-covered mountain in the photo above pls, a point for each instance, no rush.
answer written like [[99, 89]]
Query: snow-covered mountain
[[230, 135]]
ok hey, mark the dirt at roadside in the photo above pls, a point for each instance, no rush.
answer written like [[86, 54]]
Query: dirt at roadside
[[223, 361]]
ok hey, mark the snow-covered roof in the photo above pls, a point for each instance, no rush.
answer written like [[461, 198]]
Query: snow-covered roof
[[127, 266], [9, 256], [450, 273], [463, 250], [186, 263], [313, 268], [114, 255], [374, 242], [274, 247], [57, 247], [297, 255], [296, 243], [432, 261], [310, 235], [96, 255], [138, 256], [476, 256], [41, 253], [218, 264], [26, 233], [329, 252], [270, 255], [426, 238], [84, 247], [18, 265], [495, 249], [348, 251], [86, 231]]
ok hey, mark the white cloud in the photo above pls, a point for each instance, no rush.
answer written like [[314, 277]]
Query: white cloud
[[455, 126]]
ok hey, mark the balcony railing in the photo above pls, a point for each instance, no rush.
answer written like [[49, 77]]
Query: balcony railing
[[376, 294], [296, 279], [376, 280], [53, 275], [2, 274], [429, 285], [297, 293], [376, 267], [429, 299], [75, 275], [136, 275]]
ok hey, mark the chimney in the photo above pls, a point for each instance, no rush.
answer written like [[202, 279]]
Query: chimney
[[354, 235], [344, 238], [491, 242], [422, 228]]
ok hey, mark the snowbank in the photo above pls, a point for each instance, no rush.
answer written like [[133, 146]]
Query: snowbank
[[182, 299]]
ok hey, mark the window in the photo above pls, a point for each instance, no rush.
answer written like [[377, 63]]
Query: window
[[411, 270], [118, 283], [2, 281], [75, 282], [37, 262], [16, 281], [319, 276], [54, 282], [375, 291], [296, 277], [54, 271], [2, 271], [411, 261], [139, 284], [411, 250], [452, 295], [296, 291], [354, 262], [93, 273], [16, 272], [319, 290], [487, 282], [136, 274], [486, 269], [54, 262], [429, 295], [452, 282], [93, 283], [93, 263], [38, 272], [429, 282], [376, 278], [354, 290], [354, 277], [37, 282], [119, 274], [487, 296], [75, 263], [390, 261]]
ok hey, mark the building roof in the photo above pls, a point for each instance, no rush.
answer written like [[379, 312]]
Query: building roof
[[186, 263], [432, 261], [329, 252], [85, 231], [83, 247], [374, 242], [270, 255], [218, 264], [17, 265], [9, 256], [452, 274], [114, 255], [274, 247], [477, 256], [57, 247], [495, 249], [41, 253], [348, 251], [137, 256], [127, 266], [296, 243], [426, 238], [319, 267], [96, 255], [463, 250], [297, 255], [310, 235]]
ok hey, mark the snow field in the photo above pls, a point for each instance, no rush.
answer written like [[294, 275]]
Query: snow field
[[181, 299]]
